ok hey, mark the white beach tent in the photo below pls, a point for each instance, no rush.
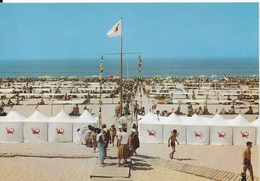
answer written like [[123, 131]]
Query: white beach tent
[[243, 131], [84, 120], [60, 128], [197, 130], [174, 122], [150, 129], [35, 128], [11, 128], [220, 131], [256, 123]]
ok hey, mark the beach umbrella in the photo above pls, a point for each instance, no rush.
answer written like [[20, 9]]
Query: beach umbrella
[[45, 77], [111, 76], [202, 76], [124, 120], [215, 81], [62, 77], [73, 77], [21, 78], [168, 101]]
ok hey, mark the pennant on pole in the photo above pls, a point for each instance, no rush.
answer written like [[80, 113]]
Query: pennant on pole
[[116, 30], [139, 62]]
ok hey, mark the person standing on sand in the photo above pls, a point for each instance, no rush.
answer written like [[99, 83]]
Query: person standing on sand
[[247, 160], [100, 144], [107, 138], [122, 146], [136, 106], [171, 142], [112, 132]]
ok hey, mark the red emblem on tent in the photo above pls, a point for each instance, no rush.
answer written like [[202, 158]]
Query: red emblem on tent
[[60, 131], [244, 134], [151, 132], [10, 130], [36, 131], [198, 134], [221, 134]]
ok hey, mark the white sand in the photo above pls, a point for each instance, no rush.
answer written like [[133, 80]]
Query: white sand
[[227, 158]]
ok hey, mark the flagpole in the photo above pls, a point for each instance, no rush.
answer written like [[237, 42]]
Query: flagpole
[[121, 70]]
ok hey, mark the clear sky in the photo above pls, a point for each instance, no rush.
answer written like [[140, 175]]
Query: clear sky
[[160, 30]]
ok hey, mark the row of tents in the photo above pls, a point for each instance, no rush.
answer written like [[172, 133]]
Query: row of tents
[[197, 130], [15, 128]]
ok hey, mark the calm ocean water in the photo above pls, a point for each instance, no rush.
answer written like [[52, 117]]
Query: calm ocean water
[[150, 67]]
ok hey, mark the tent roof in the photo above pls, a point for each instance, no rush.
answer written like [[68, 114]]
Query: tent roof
[[86, 117], [173, 119], [239, 120], [62, 116], [149, 118], [36, 117], [194, 120], [13, 116], [218, 120], [256, 122]]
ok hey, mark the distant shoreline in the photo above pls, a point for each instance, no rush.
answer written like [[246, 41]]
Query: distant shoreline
[[150, 67], [96, 77]]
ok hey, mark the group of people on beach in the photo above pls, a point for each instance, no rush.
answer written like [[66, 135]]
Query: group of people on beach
[[101, 137]]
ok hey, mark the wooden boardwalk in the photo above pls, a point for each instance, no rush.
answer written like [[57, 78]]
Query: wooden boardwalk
[[110, 171], [210, 173], [201, 171]]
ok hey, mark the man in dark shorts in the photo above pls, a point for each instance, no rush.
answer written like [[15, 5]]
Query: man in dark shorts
[[171, 142], [247, 160]]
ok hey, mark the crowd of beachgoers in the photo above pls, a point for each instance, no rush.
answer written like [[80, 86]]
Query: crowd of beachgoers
[[193, 91], [185, 96]]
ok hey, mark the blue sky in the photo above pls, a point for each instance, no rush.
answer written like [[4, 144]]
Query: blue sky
[[161, 30]]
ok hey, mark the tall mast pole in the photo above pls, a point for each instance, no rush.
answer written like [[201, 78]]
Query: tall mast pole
[[100, 93], [121, 70]]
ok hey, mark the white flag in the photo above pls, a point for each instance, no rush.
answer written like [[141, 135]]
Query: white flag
[[116, 30]]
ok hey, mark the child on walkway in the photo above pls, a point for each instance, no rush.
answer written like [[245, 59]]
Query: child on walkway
[[171, 141]]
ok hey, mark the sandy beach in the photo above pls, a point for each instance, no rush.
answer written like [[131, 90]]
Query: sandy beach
[[227, 158]]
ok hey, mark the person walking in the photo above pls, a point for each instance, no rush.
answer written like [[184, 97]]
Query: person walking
[[247, 160], [171, 142]]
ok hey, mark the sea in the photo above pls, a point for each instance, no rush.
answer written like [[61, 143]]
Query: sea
[[164, 67]]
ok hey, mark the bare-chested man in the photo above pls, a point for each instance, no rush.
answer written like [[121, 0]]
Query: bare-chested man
[[171, 142], [247, 159]]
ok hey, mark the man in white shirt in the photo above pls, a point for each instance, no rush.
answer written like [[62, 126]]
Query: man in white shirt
[[122, 146], [82, 132]]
